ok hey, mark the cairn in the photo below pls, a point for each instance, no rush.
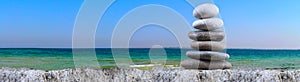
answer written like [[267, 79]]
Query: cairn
[[207, 44]]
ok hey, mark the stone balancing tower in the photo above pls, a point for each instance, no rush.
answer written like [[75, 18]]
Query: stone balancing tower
[[208, 47]]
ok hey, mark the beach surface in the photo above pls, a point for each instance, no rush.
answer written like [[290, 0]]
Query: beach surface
[[155, 75]]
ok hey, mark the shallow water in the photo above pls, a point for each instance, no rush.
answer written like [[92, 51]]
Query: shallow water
[[51, 58]]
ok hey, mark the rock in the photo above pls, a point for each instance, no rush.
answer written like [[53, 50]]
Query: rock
[[155, 75], [207, 36], [207, 55], [206, 11], [207, 45], [208, 24], [196, 64]]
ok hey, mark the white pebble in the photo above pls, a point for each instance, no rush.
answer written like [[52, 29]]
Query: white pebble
[[208, 24], [206, 11]]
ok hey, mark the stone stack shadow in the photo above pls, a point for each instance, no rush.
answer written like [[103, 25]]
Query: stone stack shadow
[[207, 44]]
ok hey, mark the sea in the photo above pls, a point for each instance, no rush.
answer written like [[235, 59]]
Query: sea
[[62, 58]]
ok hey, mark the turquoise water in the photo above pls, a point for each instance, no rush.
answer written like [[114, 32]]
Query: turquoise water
[[48, 59]]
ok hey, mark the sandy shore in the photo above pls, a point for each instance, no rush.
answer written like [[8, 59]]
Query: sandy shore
[[136, 75]]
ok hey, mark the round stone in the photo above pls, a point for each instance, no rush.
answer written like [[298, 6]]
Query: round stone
[[207, 45], [206, 11], [207, 55], [200, 64], [208, 24], [207, 35]]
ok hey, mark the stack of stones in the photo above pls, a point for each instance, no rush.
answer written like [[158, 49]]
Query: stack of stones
[[207, 42]]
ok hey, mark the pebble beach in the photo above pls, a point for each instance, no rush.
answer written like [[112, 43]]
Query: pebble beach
[[155, 75]]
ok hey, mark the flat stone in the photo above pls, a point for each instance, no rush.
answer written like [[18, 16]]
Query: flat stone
[[207, 35], [208, 24], [206, 11], [201, 64], [208, 45], [207, 55]]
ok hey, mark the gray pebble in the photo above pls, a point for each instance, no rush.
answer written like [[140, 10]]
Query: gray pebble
[[207, 45], [206, 11], [207, 55], [200, 64], [207, 36], [208, 24]]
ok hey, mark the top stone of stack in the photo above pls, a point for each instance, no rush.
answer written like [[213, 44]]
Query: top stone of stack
[[206, 11]]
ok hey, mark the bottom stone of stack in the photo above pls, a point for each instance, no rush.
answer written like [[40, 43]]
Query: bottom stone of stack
[[203, 64]]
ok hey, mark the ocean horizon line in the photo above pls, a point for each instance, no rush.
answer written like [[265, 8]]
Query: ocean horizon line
[[142, 48]]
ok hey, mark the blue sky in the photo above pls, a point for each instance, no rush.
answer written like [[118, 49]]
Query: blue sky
[[248, 24]]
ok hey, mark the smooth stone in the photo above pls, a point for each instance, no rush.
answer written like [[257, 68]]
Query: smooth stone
[[207, 45], [206, 11], [207, 55], [208, 24], [207, 36], [200, 64]]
